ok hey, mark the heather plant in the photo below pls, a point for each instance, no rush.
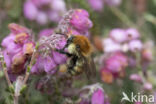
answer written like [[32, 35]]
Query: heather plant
[[37, 47]]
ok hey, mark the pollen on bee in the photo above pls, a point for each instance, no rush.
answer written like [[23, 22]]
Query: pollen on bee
[[63, 68]]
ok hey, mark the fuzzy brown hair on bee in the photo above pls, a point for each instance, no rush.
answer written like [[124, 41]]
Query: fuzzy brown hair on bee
[[83, 43], [79, 53]]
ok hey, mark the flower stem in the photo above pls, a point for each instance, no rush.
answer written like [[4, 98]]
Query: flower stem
[[122, 16], [15, 99], [7, 76], [26, 77]]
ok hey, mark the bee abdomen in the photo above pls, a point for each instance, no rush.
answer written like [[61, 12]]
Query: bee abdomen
[[75, 71]]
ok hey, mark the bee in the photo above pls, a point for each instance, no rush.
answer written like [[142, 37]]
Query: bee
[[79, 55]]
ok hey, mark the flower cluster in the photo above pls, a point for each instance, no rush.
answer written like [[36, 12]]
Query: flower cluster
[[18, 48], [98, 5], [44, 10], [123, 40], [114, 66], [123, 47], [48, 60], [75, 22]]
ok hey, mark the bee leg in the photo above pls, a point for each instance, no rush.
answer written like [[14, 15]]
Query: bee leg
[[63, 52], [71, 70]]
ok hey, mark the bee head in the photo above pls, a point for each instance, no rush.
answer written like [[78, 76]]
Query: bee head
[[82, 44], [70, 39]]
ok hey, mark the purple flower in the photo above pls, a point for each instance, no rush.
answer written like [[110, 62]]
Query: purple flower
[[80, 20], [116, 62], [113, 2], [132, 34], [45, 32], [135, 45], [113, 66], [44, 10], [97, 5], [32, 13], [17, 46], [39, 66], [12, 48], [147, 86], [48, 60], [98, 97], [16, 29], [118, 35], [75, 22], [110, 46]]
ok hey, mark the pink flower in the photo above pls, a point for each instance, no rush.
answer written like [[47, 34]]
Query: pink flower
[[97, 5], [32, 13], [42, 18], [135, 77], [17, 47], [75, 22], [59, 6], [132, 34], [118, 35], [135, 45], [45, 32], [48, 60], [44, 10], [148, 86], [113, 67], [80, 20], [12, 48], [98, 97], [110, 46], [116, 63], [44, 64], [113, 2], [16, 29]]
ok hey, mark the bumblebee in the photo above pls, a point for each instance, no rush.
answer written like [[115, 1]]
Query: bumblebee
[[79, 54]]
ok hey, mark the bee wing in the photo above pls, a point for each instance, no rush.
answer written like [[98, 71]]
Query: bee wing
[[89, 67], [92, 66]]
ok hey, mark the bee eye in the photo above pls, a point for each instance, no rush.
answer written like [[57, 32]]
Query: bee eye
[[78, 46], [70, 39]]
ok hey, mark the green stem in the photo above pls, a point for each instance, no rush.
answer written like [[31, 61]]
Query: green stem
[[122, 16]]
